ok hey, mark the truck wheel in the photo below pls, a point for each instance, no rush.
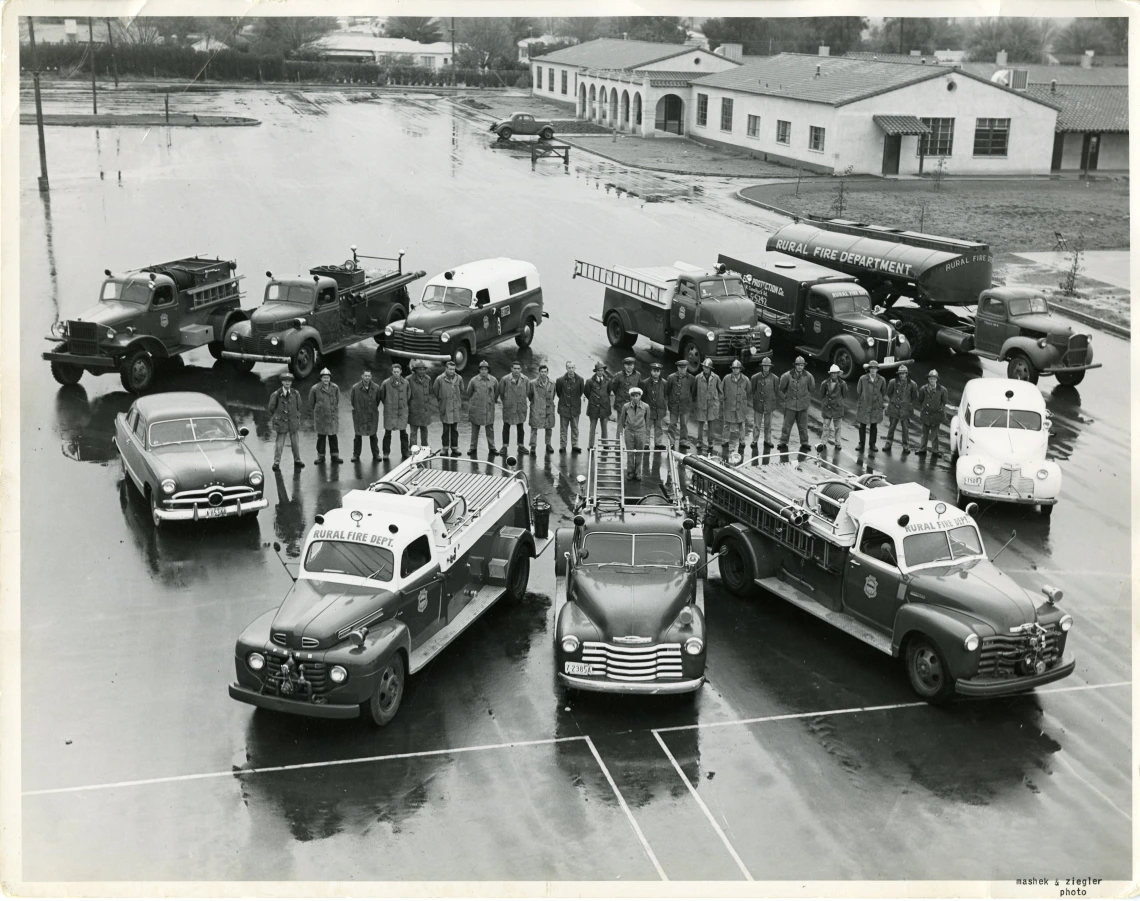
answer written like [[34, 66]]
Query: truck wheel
[[137, 371], [215, 349], [845, 361], [927, 670], [69, 373], [616, 333], [523, 338], [547, 133], [1070, 379], [304, 361], [518, 575], [1022, 368], [735, 567], [461, 356], [389, 691], [691, 354], [505, 133], [916, 338]]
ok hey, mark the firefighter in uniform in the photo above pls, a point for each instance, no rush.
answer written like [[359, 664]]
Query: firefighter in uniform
[[932, 400], [870, 402], [736, 393], [597, 394], [633, 421], [797, 385], [654, 396], [833, 404], [902, 393], [706, 406], [623, 381], [678, 398], [765, 397]]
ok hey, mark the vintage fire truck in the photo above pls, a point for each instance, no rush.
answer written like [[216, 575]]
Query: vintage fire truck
[[1011, 325], [697, 313], [386, 582], [148, 318], [629, 584], [302, 319], [887, 564]]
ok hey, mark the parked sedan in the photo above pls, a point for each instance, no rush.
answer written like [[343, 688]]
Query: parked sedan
[[183, 453], [998, 440], [523, 124]]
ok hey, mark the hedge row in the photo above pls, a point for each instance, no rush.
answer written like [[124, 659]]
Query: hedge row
[[134, 60]]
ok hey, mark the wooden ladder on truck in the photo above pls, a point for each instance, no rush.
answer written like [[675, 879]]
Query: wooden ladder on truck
[[622, 282], [606, 482]]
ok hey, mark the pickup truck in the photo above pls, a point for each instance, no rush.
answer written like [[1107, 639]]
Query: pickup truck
[[694, 312], [148, 318], [302, 319], [888, 565], [629, 609], [1014, 326], [386, 582], [824, 314]]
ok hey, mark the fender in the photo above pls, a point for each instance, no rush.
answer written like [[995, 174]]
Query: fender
[[363, 663], [293, 338], [242, 328], [948, 631], [623, 314], [954, 427], [1041, 357], [563, 541], [151, 345], [857, 350], [696, 333], [460, 334], [224, 320], [533, 308], [503, 548], [763, 555]]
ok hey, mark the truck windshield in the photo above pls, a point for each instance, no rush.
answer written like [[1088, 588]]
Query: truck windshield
[[939, 547], [721, 287], [126, 292], [184, 431], [350, 558], [302, 294], [461, 297], [1007, 419], [633, 550], [855, 303], [1025, 305]]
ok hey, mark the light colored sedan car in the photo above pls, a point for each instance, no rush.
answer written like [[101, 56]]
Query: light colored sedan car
[[998, 443], [183, 453]]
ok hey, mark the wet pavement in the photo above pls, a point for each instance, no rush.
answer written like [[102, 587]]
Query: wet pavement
[[805, 756]]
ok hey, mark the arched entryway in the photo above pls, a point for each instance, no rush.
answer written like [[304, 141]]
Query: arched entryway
[[592, 112], [582, 103], [670, 117], [614, 108], [636, 110], [624, 117], [603, 105]]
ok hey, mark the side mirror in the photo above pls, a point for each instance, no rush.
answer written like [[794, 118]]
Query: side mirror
[[688, 525], [579, 521], [243, 432], [879, 310]]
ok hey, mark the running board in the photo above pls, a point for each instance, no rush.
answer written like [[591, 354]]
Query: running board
[[841, 621], [541, 544], [476, 607]]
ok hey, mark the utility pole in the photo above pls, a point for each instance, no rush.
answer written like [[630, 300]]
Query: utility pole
[[39, 107], [454, 66], [91, 47], [114, 63]]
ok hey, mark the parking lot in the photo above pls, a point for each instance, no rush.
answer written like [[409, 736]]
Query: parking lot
[[804, 757]]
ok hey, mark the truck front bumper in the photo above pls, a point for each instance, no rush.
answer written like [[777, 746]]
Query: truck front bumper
[[1008, 498], [1053, 370], [219, 512], [254, 358], [894, 364], [609, 686], [992, 688], [410, 355], [87, 362], [291, 705]]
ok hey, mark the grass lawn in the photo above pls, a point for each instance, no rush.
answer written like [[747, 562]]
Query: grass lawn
[[1008, 215]]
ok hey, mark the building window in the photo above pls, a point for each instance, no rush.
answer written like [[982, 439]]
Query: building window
[[702, 110], [783, 132], [726, 114], [538, 77], [563, 81], [940, 141], [753, 126], [815, 138], [550, 80], [991, 137], [426, 62]]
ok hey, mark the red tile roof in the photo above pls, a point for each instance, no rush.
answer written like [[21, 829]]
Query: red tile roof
[[611, 53]]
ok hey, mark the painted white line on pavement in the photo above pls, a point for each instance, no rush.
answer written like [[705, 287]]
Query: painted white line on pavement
[[300, 766], [1060, 758], [629, 814], [1064, 688], [701, 803]]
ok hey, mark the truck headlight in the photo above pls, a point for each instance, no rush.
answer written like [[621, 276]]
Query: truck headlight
[[109, 334], [389, 331], [1042, 474], [1066, 623], [274, 341], [570, 644], [694, 646], [971, 643], [711, 336], [168, 486], [338, 674], [870, 342], [58, 329], [255, 478], [1042, 342], [444, 338], [256, 661], [233, 336], [979, 469], [767, 332]]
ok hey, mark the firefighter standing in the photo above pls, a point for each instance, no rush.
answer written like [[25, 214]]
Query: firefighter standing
[[871, 401], [678, 398], [736, 394], [932, 400], [633, 421], [765, 397], [797, 385], [833, 404], [902, 393]]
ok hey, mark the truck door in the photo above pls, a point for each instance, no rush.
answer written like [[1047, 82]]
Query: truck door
[[488, 325], [990, 325], [326, 316], [819, 324], [872, 578], [421, 591], [164, 315]]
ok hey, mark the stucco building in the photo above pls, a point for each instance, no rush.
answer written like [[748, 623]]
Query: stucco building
[[1092, 126], [368, 48]]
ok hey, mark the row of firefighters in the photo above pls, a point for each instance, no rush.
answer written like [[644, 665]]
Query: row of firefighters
[[649, 409]]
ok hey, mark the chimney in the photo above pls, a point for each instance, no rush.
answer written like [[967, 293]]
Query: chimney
[[817, 71], [1053, 86], [1087, 59], [825, 51], [731, 51], [1002, 58]]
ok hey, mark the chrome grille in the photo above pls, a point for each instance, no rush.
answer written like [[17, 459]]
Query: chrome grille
[[1000, 654], [82, 337], [313, 679], [412, 343], [633, 664], [263, 329], [1009, 481], [734, 342], [1077, 351], [214, 497]]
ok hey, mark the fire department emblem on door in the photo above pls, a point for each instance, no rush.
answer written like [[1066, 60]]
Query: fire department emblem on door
[[817, 326], [871, 587], [164, 320], [421, 606]]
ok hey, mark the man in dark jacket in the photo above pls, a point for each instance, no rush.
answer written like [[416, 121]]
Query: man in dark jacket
[[512, 394], [396, 392], [870, 402], [419, 403], [679, 399], [622, 382], [481, 393], [324, 398], [633, 421], [285, 419], [597, 394], [568, 389], [364, 398], [833, 404], [797, 385], [902, 393], [932, 400], [765, 399], [448, 392], [654, 397]]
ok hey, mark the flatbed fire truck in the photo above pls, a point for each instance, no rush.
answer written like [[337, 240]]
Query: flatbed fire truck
[[887, 564]]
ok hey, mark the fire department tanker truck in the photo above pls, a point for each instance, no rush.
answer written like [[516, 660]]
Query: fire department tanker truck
[[697, 313], [386, 582], [1010, 325], [302, 319], [629, 613], [887, 564]]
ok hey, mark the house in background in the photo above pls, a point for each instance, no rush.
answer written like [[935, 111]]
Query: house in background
[[369, 49], [526, 44], [1092, 126]]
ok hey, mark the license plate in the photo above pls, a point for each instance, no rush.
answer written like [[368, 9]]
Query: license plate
[[972, 480], [579, 669], [888, 359], [214, 512]]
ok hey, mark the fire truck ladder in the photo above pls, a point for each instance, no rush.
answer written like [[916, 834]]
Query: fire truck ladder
[[626, 283], [607, 473]]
